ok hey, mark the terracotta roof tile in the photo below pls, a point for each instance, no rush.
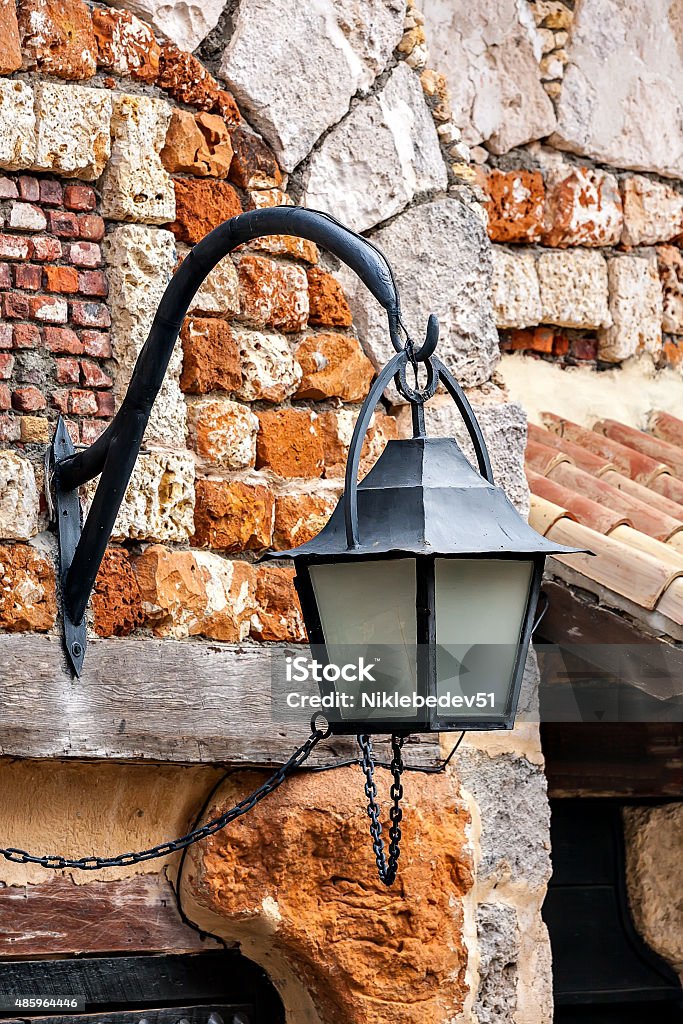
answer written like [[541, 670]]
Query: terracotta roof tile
[[646, 494], [637, 465], [666, 427], [584, 459], [646, 444], [668, 485], [583, 509], [542, 459], [544, 514]]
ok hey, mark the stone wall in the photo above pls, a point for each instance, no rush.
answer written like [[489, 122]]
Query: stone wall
[[119, 150]]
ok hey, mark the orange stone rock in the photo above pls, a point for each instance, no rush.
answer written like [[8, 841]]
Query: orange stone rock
[[125, 44], [272, 294], [186, 79], [583, 208], [299, 517], [333, 366], [211, 360], [201, 206], [278, 617], [328, 305], [57, 37], [289, 443], [223, 432], [197, 144], [254, 165], [233, 516], [280, 245], [515, 207], [296, 880], [27, 590], [116, 600], [10, 46], [336, 428]]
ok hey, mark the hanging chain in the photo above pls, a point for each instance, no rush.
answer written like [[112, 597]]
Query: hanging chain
[[164, 849], [387, 867]]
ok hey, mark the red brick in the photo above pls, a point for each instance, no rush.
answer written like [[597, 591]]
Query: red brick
[[29, 188], [90, 314], [82, 403], [49, 308], [105, 403], [5, 402], [96, 344], [68, 371], [63, 224], [6, 365], [28, 399], [91, 430], [5, 336], [202, 206], [91, 226], [289, 443], [85, 254], [26, 336], [60, 400], [28, 276], [50, 192], [8, 188], [16, 306], [9, 429], [61, 279], [5, 276], [94, 376], [80, 197], [63, 339], [13, 247], [58, 38], [73, 430], [93, 282], [45, 248], [584, 348]]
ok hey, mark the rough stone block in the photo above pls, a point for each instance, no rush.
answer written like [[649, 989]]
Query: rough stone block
[[223, 432], [211, 358], [670, 263], [499, 949], [73, 130], [233, 516], [653, 211], [573, 286], [289, 443], [159, 501], [184, 24], [57, 37], [17, 125], [28, 602], [269, 371], [125, 45], [272, 294], [201, 206], [219, 293], [442, 261], [514, 288], [292, 93], [375, 161], [116, 599], [197, 144], [186, 79], [278, 617], [635, 302], [135, 185], [333, 366], [10, 46], [582, 207], [516, 205], [328, 306], [620, 97], [254, 165], [299, 518], [19, 498], [336, 428], [486, 51]]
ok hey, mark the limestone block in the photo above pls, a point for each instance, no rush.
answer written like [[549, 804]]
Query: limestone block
[[442, 262], [223, 432], [182, 23], [635, 302], [621, 96], [653, 212], [135, 185], [582, 207], [499, 949], [19, 498], [219, 293], [293, 68], [654, 874], [489, 53], [300, 917], [514, 288], [670, 263], [573, 288], [159, 501], [17, 125], [383, 154], [504, 427], [73, 130], [269, 370]]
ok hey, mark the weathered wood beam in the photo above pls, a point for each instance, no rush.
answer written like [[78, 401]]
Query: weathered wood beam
[[160, 700]]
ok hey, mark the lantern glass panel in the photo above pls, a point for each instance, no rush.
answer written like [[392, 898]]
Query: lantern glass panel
[[481, 606], [367, 610]]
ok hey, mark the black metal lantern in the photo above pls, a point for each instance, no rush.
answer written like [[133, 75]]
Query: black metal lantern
[[419, 594]]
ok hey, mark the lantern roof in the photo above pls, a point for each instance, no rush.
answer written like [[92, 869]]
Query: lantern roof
[[423, 497]]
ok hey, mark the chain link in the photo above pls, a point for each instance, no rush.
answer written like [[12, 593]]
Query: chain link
[[387, 868], [57, 862]]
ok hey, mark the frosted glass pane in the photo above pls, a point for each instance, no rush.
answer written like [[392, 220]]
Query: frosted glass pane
[[367, 609], [480, 610]]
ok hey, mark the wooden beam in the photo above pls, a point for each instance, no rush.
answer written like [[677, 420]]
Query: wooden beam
[[160, 700]]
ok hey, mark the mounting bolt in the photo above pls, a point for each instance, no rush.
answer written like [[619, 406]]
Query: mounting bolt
[[76, 650]]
